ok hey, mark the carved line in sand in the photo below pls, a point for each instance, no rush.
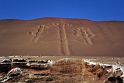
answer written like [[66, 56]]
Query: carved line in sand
[[81, 33], [64, 47], [38, 34], [84, 34]]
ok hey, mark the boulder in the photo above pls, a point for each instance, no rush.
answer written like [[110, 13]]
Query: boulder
[[14, 72]]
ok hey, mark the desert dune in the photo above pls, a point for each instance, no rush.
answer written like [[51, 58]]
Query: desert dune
[[61, 37]]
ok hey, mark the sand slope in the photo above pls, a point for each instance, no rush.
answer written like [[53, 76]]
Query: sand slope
[[58, 36]]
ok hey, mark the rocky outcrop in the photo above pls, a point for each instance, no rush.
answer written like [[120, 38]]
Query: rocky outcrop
[[73, 70]]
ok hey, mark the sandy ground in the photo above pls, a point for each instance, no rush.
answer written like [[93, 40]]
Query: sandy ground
[[61, 37]]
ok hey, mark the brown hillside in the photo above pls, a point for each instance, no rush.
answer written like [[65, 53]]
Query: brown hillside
[[58, 36]]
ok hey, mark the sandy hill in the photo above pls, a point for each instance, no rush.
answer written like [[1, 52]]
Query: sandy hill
[[59, 36]]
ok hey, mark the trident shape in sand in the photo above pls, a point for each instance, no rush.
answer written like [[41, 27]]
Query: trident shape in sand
[[63, 37], [84, 34], [79, 32], [38, 34]]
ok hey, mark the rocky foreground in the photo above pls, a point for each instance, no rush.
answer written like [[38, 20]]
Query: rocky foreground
[[39, 69]]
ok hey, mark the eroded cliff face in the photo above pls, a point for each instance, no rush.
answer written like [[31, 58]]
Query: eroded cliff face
[[58, 36], [60, 70]]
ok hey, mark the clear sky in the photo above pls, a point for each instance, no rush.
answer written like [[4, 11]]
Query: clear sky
[[97, 10]]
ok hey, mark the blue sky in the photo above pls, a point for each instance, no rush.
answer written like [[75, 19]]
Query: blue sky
[[97, 10]]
